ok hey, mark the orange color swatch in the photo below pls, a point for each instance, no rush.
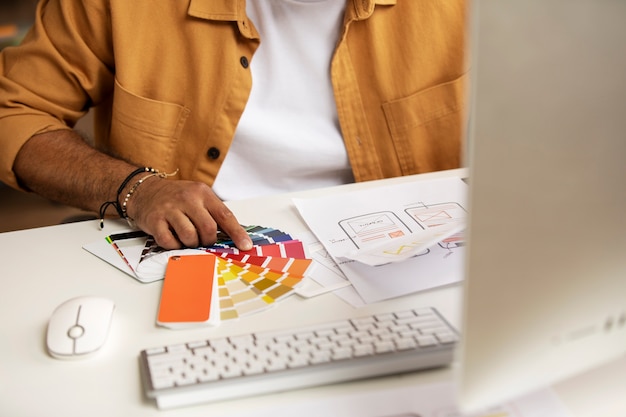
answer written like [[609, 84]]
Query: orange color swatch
[[188, 292]]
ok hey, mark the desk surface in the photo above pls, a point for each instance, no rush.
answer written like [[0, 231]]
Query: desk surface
[[41, 268]]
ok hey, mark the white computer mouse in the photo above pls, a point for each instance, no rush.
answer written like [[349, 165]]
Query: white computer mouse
[[79, 327]]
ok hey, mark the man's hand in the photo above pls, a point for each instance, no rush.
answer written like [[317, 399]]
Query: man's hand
[[183, 214]]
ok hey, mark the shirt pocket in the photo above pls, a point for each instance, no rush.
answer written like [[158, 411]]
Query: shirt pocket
[[427, 128], [146, 131]]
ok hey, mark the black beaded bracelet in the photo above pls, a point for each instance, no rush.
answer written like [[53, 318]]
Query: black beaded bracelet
[[130, 192], [116, 204]]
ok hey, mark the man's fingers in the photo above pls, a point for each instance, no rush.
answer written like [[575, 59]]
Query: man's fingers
[[185, 230], [240, 237], [165, 237], [228, 224], [204, 225]]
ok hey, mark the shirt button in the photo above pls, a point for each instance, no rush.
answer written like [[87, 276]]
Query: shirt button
[[213, 153], [244, 62]]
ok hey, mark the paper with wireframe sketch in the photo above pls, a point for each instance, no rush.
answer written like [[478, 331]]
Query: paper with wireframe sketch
[[379, 224]]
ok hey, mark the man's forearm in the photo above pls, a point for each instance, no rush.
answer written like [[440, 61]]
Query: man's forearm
[[60, 166]]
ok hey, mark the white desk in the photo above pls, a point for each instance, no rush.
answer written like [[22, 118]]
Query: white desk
[[43, 267]]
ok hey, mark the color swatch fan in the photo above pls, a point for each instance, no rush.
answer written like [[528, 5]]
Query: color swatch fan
[[246, 281]]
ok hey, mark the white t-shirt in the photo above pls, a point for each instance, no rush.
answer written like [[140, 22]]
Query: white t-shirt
[[288, 138]]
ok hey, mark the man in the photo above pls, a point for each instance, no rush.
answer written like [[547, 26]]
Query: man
[[235, 99]]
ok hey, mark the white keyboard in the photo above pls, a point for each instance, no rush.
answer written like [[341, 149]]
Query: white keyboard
[[259, 363]]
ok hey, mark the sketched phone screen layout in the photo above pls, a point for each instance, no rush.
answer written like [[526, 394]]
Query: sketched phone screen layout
[[374, 228]]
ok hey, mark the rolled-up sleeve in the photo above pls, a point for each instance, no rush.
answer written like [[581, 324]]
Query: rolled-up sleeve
[[63, 66]]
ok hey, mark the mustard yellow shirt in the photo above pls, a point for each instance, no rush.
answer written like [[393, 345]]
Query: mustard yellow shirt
[[168, 81]]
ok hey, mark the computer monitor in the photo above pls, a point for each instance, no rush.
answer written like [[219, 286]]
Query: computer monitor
[[545, 291]]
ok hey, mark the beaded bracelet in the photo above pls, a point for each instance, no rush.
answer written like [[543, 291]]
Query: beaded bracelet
[[130, 192], [132, 189], [121, 209]]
